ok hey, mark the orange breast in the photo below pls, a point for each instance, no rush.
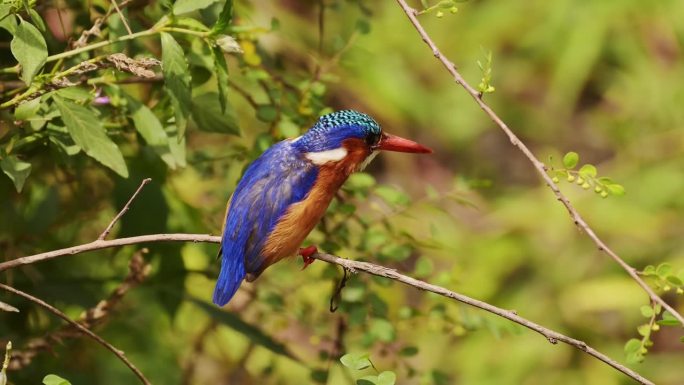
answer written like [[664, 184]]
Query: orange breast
[[302, 217]]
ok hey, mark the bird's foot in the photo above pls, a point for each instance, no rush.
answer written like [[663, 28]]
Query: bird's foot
[[306, 253]]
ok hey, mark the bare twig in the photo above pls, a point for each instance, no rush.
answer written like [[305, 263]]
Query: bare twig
[[124, 209], [123, 19], [95, 29], [551, 335], [538, 165], [83, 329], [138, 270]]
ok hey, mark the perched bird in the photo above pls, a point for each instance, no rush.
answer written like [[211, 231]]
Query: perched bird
[[285, 192]]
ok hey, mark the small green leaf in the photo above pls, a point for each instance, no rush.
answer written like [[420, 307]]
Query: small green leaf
[[185, 6], [355, 361], [87, 132], [646, 311], [27, 110], [208, 115], [668, 319], [52, 379], [224, 18], [663, 270], [360, 180], [633, 345], [570, 159], [29, 48], [644, 330], [408, 351], [649, 270], [176, 80], [386, 378], [382, 329], [588, 171], [221, 69], [615, 189], [266, 113], [151, 129], [16, 170]]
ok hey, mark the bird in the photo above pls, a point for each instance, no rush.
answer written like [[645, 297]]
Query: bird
[[284, 193]]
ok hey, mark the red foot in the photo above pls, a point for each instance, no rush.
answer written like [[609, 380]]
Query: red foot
[[306, 253]]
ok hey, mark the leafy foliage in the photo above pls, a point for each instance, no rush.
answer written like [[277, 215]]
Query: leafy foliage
[[237, 77]]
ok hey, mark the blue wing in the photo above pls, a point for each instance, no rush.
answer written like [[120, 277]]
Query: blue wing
[[276, 180]]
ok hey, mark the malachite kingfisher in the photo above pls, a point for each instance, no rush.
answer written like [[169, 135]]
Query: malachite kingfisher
[[285, 192]]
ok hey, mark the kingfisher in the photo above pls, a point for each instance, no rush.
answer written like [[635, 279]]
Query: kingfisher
[[285, 192]]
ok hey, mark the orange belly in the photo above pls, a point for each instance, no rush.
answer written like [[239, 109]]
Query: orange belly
[[302, 217]]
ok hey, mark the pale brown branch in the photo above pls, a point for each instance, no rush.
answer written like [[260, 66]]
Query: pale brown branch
[[138, 270], [123, 19], [538, 165], [83, 329], [124, 209], [550, 335]]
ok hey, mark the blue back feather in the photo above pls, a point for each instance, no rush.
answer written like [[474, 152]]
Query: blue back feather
[[277, 179], [280, 177]]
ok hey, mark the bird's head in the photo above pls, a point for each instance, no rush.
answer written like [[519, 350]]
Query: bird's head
[[350, 136]]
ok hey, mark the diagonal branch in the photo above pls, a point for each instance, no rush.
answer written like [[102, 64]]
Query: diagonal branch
[[370, 268], [80, 327], [538, 165]]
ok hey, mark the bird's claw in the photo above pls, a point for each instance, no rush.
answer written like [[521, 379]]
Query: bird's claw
[[306, 253]]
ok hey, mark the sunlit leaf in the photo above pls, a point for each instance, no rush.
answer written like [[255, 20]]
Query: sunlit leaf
[[16, 170], [177, 80], [588, 171], [570, 159], [52, 379], [356, 361], [29, 48], [224, 18], [87, 132], [185, 6]]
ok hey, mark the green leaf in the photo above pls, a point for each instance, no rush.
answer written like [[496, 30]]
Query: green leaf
[[647, 311], [234, 322], [27, 110], [668, 319], [87, 132], [221, 69], [644, 330], [151, 129], [9, 22], [185, 6], [588, 171], [356, 361], [16, 170], [386, 378], [615, 189], [177, 80], [208, 115], [52, 379], [408, 351], [5, 10], [570, 159], [382, 330], [224, 18], [663, 270], [649, 270], [37, 20], [266, 113], [632, 346], [30, 50]]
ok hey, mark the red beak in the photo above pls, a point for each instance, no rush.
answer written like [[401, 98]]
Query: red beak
[[389, 142]]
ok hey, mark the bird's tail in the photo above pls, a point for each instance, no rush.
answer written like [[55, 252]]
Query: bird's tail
[[230, 278]]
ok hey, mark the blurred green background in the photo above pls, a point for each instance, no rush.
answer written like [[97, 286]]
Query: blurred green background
[[602, 78]]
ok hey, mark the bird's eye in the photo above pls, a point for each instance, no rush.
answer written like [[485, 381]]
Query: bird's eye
[[372, 139]]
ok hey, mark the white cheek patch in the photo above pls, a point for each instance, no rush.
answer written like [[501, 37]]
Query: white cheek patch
[[367, 161], [323, 157]]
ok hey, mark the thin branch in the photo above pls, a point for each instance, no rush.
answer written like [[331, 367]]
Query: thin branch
[[123, 19], [80, 327], [103, 244], [125, 208], [550, 335], [538, 165], [138, 270]]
